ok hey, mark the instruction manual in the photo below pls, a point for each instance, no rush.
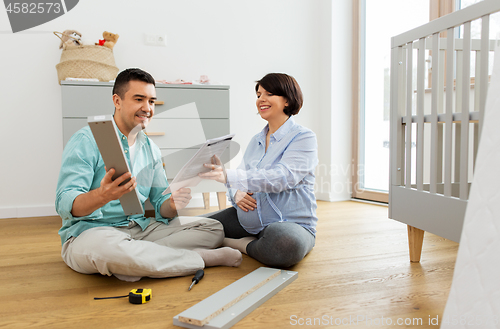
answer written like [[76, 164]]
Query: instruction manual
[[188, 175]]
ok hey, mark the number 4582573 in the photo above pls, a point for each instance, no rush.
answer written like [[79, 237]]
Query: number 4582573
[[33, 8]]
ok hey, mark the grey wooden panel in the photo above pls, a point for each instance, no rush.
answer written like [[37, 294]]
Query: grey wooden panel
[[238, 311], [186, 133], [110, 147], [84, 101], [209, 102], [440, 215]]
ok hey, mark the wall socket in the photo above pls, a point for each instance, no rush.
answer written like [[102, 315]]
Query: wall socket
[[159, 40]]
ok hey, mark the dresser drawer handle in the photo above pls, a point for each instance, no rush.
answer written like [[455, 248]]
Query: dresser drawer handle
[[152, 133], [159, 102]]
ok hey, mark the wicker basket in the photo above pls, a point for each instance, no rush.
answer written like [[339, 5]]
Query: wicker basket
[[88, 62]]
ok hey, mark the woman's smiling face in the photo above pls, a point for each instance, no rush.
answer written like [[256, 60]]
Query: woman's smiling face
[[270, 106]]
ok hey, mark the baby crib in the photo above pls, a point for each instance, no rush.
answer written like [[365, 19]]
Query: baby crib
[[435, 128]]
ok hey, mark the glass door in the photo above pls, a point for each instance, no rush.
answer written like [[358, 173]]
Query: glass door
[[379, 21]]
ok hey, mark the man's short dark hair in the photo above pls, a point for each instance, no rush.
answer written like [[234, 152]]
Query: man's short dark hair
[[281, 84], [122, 80]]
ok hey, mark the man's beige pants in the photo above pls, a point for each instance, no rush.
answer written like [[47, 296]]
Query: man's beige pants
[[130, 253]]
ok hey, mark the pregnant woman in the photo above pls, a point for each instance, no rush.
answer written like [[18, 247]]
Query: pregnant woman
[[273, 218]]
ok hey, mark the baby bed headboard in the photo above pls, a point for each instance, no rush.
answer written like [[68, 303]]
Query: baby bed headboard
[[435, 130]]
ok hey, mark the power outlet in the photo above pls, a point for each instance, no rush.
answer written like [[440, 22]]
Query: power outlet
[[159, 40]]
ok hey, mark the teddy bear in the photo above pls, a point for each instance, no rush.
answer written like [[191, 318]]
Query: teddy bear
[[70, 38], [109, 40]]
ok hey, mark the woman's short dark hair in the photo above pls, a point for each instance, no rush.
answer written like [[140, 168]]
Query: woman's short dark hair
[[281, 84], [122, 80]]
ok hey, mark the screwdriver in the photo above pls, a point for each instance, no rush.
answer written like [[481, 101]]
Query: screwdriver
[[197, 278]]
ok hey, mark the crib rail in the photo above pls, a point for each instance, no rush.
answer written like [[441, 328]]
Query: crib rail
[[442, 123]]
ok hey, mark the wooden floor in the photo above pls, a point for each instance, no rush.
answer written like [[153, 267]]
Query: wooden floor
[[358, 274]]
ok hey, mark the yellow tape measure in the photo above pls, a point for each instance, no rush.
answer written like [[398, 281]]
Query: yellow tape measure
[[135, 296], [139, 296]]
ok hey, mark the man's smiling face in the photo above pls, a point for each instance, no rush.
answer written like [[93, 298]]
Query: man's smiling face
[[136, 107]]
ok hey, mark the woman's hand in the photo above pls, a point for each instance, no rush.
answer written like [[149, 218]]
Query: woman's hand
[[218, 172], [245, 201]]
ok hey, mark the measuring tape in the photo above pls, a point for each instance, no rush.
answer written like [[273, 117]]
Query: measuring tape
[[135, 296], [139, 296]]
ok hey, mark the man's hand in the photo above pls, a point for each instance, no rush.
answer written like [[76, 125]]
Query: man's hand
[[245, 201], [180, 199], [112, 189], [86, 203], [177, 201], [218, 172]]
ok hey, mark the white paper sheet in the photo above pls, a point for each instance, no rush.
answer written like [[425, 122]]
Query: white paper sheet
[[188, 175]]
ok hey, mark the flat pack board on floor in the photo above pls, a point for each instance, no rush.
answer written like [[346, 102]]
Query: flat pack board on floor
[[231, 304]]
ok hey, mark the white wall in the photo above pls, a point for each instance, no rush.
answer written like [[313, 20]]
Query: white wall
[[333, 180], [233, 42]]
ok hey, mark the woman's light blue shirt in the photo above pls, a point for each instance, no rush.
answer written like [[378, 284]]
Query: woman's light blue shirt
[[282, 179], [82, 170]]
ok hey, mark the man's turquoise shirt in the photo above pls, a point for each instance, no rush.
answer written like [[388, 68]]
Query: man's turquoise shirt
[[82, 170]]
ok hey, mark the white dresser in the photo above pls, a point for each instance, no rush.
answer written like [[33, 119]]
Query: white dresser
[[185, 116]]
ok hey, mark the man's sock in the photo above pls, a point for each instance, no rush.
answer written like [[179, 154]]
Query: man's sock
[[224, 256], [240, 244]]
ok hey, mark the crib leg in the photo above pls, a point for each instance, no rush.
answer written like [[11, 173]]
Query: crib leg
[[221, 199], [415, 241], [206, 200]]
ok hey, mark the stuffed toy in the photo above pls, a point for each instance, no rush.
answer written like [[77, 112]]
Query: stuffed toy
[[109, 40], [70, 38]]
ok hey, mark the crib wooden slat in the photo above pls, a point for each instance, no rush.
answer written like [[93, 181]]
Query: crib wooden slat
[[477, 78], [450, 40], [409, 98], [483, 72], [420, 114], [458, 108], [434, 112], [441, 78], [401, 112], [476, 143], [458, 141], [477, 104], [477, 84], [440, 146], [464, 145], [396, 131]]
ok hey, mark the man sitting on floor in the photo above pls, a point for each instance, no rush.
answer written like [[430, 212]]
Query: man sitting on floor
[[97, 236]]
